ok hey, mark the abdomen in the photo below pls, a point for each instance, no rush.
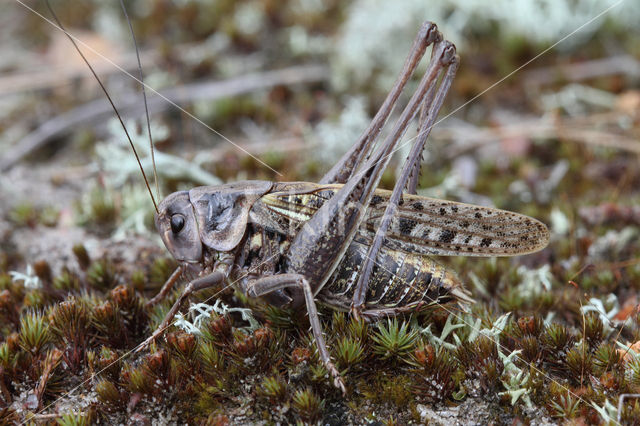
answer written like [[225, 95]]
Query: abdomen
[[399, 281]]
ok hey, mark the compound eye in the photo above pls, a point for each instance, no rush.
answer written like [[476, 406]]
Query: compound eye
[[177, 223]]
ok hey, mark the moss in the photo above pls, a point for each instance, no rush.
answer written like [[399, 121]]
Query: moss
[[73, 419], [35, 299], [387, 363], [101, 275], [67, 281], [394, 339], [578, 362], [435, 379], [105, 363], [98, 211], [308, 405], [630, 411], [388, 389], [348, 353], [592, 329], [109, 394], [24, 214], [274, 388], [34, 332], [82, 256], [50, 375], [70, 323]]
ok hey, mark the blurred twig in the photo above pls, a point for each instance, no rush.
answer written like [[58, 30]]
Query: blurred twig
[[99, 110], [623, 64], [566, 129], [48, 78]]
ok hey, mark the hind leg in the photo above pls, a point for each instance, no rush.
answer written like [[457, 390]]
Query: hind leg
[[362, 149], [410, 171]]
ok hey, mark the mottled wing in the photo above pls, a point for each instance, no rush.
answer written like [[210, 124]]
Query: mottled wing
[[446, 228], [425, 225], [298, 201]]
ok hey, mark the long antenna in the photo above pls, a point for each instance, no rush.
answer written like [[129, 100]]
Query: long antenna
[[108, 97], [144, 96]]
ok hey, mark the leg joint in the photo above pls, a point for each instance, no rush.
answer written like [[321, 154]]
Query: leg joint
[[448, 54], [430, 33]]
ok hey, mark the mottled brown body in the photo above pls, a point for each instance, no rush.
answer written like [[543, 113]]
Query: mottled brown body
[[343, 242], [402, 279]]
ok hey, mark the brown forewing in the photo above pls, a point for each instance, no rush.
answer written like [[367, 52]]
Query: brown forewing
[[426, 225]]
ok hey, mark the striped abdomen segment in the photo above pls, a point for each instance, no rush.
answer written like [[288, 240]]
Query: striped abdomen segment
[[399, 279]]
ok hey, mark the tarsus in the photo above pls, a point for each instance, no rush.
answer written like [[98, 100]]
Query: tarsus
[[108, 97]]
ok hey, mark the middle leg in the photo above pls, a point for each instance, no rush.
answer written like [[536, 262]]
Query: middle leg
[[268, 284]]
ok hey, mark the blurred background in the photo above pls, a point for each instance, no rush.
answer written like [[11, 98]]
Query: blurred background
[[542, 117], [334, 62]]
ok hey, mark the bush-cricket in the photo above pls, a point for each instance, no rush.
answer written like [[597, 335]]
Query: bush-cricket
[[342, 242]]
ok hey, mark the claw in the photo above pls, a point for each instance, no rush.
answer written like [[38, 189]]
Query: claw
[[430, 31], [337, 378], [355, 312]]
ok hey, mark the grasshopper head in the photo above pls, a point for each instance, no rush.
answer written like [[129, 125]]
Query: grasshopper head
[[211, 216], [176, 223]]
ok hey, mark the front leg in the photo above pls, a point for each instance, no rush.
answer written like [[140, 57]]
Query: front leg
[[211, 280], [167, 287], [263, 286]]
